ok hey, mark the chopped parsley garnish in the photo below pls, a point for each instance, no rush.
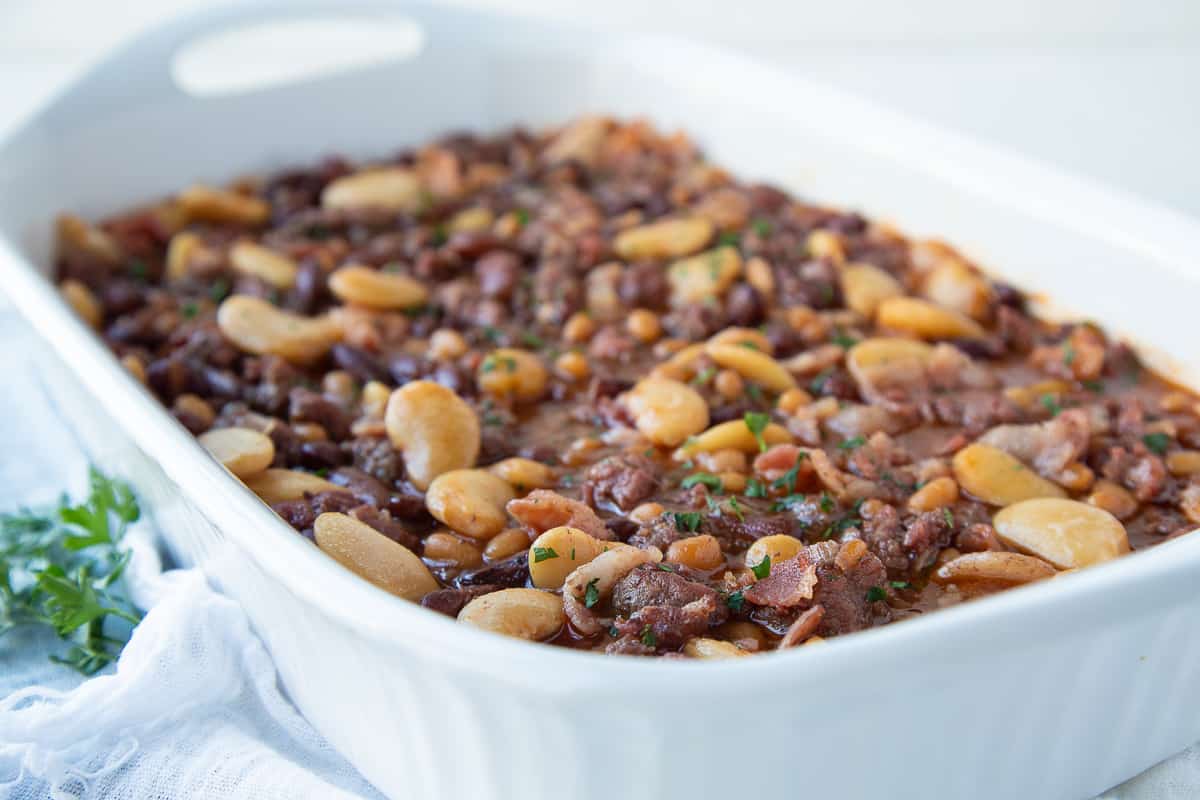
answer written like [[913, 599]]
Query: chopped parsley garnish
[[662, 566], [492, 419], [648, 637], [754, 393], [707, 478], [755, 488], [321, 472], [735, 601], [687, 521], [493, 335], [190, 309], [522, 216], [876, 594], [763, 568], [1157, 442], [1094, 386], [850, 444], [948, 516], [784, 503], [843, 340], [613, 632], [729, 239], [493, 362], [218, 290], [439, 236], [1068, 353], [591, 595], [567, 480], [1051, 404], [762, 227], [736, 508], [757, 422], [138, 269], [704, 376], [817, 384], [749, 345], [901, 585], [541, 554], [533, 340], [787, 481], [827, 503]]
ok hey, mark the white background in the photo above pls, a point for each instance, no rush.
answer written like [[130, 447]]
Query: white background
[[1106, 88]]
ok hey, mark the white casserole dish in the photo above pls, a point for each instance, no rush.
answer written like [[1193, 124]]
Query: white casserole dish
[[1055, 690]]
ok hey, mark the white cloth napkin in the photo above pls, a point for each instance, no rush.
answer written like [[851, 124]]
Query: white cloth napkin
[[193, 708]]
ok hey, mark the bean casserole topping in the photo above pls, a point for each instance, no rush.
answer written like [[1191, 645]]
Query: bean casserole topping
[[584, 387]]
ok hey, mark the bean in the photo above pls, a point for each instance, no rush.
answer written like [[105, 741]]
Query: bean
[[372, 556], [733, 435], [471, 220], [446, 548], [645, 513], [925, 320], [938, 493], [759, 275], [242, 451], [573, 366], [827, 245], [370, 288], [743, 337], [435, 428], [278, 485], [643, 325], [580, 141], [666, 411], [522, 613], [83, 302], [263, 263], [994, 565], [524, 474], [205, 204], [1183, 462], [701, 552], [76, 235], [952, 284], [780, 547], [996, 477], [183, 248], [505, 544], [701, 278], [706, 648], [390, 188], [557, 552], [672, 238], [752, 365], [446, 344], [578, 328], [1113, 498], [256, 326], [1066, 533], [865, 286], [470, 502], [791, 400], [512, 373]]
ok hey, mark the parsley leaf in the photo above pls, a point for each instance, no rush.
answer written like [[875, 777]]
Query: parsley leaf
[[755, 488], [901, 585], [1157, 442], [704, 376], [648, 637], [876, 594], [757, 422], [762, 227], [843, 340], [541, 554], [707, 478], [787, 481], [735, 601], [1051, 404], [686, 522], [591, 595], [763, 568], [948, 516], [827, 504], [736, 508], [850, 444]]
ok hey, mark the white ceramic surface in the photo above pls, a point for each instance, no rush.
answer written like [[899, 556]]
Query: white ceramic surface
[[1055, 690]]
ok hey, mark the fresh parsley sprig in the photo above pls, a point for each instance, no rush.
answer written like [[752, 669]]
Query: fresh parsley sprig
[[61, 568]]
